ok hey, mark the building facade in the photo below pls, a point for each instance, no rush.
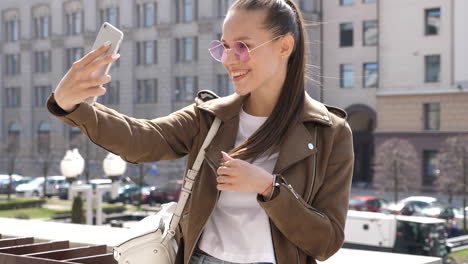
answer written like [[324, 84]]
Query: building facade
[[164, 62], [350, 72], [423, 94]]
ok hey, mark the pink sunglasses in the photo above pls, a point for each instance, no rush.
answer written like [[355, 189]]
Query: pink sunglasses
[[219, 52]]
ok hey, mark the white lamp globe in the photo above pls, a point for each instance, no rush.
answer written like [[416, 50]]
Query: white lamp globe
[[79, 161], [113, 165], [69, 166]]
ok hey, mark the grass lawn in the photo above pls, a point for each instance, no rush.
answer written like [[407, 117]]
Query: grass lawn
[[460, 256], [31, 212]]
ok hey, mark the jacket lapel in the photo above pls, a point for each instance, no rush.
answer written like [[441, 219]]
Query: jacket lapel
[[298, 145]]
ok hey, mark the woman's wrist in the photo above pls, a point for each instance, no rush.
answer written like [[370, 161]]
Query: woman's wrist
[[268, 192]]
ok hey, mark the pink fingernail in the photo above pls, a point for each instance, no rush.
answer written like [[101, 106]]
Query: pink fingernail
[[116, 56]]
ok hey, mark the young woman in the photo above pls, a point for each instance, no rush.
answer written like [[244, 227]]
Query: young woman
[[275, 182]]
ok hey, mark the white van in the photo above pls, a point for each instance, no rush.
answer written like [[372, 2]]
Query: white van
[[35, 187]]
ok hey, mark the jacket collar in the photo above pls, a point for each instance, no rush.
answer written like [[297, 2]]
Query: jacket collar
[[226, 108]]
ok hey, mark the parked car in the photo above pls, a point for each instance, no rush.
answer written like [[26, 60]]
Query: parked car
[[367, 203], [35, 186], [125, 193], [412, 205], [16, 180], [452, 214], [172, 190], [63, 189], [159, 194]]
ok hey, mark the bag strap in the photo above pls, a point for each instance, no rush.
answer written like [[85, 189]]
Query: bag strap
[[190, 177]]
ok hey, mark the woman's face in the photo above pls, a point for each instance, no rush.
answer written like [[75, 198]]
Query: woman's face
[[265, 68]]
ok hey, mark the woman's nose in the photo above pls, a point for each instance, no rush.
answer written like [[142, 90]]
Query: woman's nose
[[229, 56]]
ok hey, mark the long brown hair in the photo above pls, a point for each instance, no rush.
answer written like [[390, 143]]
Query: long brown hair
[[283, 17]]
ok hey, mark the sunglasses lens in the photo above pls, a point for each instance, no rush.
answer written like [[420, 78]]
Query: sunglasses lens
[[242, 51], [216, 49]]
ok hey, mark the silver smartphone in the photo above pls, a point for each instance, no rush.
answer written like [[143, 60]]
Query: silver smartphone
[[107, 33]]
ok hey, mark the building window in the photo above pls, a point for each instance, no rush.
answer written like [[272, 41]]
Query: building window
[[370, 33], [370, 1], [432, 21], [186, 49], [110, 15], [225, 85], [13, 97], [432, 116], [224, 7], [371, 74], [11, 30], [42, 61], [186, 89], [430, 164], [112, 95], [43, 138], [147, 91], [146, 14], [346, 2], [432, 63], [12, 64], [74, 21], [42, 27], [147, 52], [73, 54], [13, 137], [346, 76], [186, 10], [41, 95], [346, 35]]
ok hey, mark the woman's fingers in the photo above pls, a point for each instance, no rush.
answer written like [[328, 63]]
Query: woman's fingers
[[94, 91], [224, 180], [223, 170], [100, 62], [88, 58], [95, 82]]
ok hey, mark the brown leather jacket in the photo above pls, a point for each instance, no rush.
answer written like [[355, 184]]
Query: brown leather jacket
[[307, 215]]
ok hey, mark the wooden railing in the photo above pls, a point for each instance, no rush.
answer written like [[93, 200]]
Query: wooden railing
[[23, 250]]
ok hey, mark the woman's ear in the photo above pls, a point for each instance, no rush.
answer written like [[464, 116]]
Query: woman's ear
[[287, 46]]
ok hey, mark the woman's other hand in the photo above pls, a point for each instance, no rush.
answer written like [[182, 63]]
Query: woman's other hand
[[240, 176], [81, 82]]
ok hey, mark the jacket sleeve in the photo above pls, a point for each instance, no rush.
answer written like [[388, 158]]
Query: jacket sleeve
[[319, 231], [135, 140]]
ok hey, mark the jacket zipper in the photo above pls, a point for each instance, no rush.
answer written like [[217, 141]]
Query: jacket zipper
[[290, 188], [212, 210]]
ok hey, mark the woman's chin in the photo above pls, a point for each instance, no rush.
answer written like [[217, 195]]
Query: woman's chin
[[240, 91]]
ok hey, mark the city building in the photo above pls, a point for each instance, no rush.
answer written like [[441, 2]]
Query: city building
[[350, 72], [423, 91], [164, 62]]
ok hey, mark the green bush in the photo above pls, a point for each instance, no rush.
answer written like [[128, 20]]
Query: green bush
[[77, 213], [19, 204]]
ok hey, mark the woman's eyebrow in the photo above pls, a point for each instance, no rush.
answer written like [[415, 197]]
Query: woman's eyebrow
[[240, 38]]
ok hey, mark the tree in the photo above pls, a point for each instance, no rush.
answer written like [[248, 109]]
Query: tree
[[46, 155], [11, 150], [453, 167], [396, 167]]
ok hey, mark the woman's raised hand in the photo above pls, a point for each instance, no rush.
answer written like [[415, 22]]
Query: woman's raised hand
[[81, 81]]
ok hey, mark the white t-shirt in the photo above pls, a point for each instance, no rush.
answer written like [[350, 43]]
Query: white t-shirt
[[238, 229]]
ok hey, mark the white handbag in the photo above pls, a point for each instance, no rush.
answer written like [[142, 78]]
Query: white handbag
[[158, 246]]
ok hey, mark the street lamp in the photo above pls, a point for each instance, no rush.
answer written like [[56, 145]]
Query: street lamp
[[71, 166]]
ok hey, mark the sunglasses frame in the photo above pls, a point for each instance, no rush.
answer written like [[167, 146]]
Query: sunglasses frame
[[245, 45]]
